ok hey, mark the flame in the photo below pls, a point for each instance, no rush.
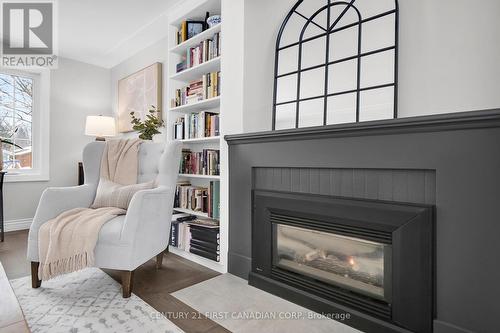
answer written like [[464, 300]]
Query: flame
[[351, 261]]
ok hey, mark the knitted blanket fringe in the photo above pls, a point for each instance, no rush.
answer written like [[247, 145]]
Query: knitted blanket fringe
[[66, 243], [62, 266]]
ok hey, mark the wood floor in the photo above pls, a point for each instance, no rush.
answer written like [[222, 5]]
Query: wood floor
[[152, 285]]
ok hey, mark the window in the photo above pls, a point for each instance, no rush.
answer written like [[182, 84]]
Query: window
[[16, 118], [24, 123]]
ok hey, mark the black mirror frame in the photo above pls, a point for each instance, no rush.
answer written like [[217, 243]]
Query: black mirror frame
[[328, 32]]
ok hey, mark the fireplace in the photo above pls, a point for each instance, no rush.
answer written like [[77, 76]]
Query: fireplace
[[351, 263], [372, 259]]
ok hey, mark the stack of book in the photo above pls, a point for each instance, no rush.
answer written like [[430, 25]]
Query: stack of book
[[211, 85], [205, 241], [196, 125], [180, 235], [205, 162], [199, 198], [208, 86], [205, 51], [200, 237]]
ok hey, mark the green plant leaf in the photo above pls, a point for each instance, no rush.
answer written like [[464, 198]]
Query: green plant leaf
[[148, 126]]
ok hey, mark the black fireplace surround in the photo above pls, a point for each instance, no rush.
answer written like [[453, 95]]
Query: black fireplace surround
[[448, 161], [397, 237]]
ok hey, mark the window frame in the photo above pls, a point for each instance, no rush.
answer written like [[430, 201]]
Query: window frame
[[39, 126]]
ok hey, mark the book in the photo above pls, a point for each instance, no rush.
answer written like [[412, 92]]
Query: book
[[181, 66], [183, 236], [207, 229], [174, 234], [215, 209], [205, 236], [204, 245], [183, 32], [205, 254]]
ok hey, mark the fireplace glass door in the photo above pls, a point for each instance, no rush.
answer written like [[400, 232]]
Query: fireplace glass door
[[346, 262]]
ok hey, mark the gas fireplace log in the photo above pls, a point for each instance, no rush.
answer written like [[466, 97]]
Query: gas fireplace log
[[298, 249], [370, 264], [329, 242]]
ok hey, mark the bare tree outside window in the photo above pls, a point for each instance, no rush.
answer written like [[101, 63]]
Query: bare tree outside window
[[16, 111]]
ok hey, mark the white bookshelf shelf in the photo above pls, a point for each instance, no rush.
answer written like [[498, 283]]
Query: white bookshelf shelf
[[187, 175], [193, 41], [214, 265], [202, 140], [193, 212], [203, 105], [198, 71]]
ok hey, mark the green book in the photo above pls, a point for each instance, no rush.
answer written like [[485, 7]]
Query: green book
[[216, 200]]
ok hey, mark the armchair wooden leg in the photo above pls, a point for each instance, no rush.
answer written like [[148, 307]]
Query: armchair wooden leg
[[159, 260], [35, 282], [127, 283]]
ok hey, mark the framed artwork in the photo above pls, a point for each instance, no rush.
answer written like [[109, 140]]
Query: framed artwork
[[194, 28], [137, 93]]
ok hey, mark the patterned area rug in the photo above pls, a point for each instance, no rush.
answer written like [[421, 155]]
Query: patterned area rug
[[86, 301]]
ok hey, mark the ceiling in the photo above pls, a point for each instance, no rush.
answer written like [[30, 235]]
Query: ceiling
[[106, 32]]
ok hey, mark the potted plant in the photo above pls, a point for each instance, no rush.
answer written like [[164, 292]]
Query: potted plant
[[148, 127]]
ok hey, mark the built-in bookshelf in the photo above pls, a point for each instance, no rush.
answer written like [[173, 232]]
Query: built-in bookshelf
[[203, 78]]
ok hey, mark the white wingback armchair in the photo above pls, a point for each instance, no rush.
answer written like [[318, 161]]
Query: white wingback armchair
[[126, 241]]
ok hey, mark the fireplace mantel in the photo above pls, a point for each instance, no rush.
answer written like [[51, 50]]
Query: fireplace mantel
[[443, 122], [451, 161]]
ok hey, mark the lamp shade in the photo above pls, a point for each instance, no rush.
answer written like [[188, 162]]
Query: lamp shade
[[100, 126]]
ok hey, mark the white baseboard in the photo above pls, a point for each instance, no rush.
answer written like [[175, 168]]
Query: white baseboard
[[14, 225]]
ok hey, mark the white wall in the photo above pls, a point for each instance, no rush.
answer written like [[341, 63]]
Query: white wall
[[157, 52], [76, 90], [448, 60], [233, 66]]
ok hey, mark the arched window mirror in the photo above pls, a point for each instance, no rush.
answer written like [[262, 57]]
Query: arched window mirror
[[336, 62]]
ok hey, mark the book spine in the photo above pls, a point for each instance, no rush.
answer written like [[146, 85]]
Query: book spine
[[207, 246], [216, 200], [207, 237], [205, 254], [174, 229]]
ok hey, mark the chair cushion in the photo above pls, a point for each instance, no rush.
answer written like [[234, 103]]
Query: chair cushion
[[110, 194], [111, 231], [149, 161]]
